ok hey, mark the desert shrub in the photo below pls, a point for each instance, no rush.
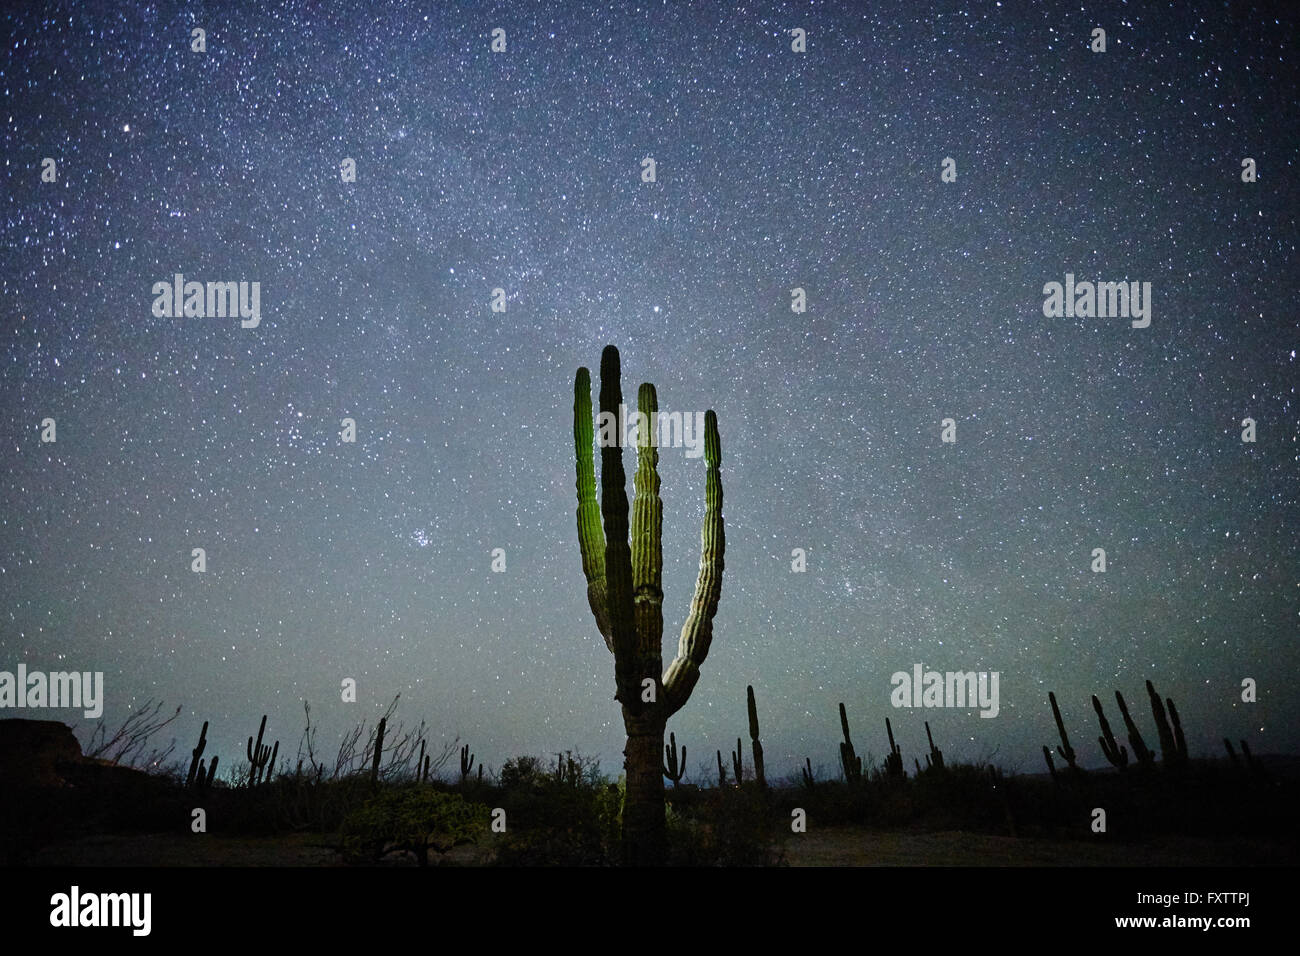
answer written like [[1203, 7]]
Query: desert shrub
[[413, 819]]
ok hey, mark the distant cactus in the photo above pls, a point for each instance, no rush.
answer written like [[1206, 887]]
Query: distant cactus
[[466, 763], [261, 759], [674, 766], [807, 772], [1065, 750], [1232, 754], [1141, 755], [935, 757], [197, 752], [756, 744], [1173, 746], [722, 772], [894, 759], [1115, 752], [738, 762], [379, 750], [203, 781], [849, 760]]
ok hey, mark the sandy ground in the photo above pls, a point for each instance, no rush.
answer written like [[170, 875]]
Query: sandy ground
[[838, 846]]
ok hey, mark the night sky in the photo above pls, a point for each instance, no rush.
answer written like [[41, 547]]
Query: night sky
[[775, 170]]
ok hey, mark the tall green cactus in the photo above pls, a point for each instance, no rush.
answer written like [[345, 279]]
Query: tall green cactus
[[674, 765], [1115, 752], [756, 744], [1065, 750], [1144, 757], [849, 760], [625, 593]]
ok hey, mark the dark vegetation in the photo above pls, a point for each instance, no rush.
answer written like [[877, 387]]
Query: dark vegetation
[[384, 798]]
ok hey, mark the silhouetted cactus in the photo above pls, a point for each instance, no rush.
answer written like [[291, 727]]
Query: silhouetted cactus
[[1173, 747], [261, 759], [197, 752], [849, 760], [1141, 755], [738, 762], [674, 765], [467, 763], [1115, 752], [807, 772], [1065, 750], [756, 744], [1256, 770], [935, 757], [918, 764], [202, 780], [624, 589], [379, 750], [1232, 754], [894, 759], [722, 772]]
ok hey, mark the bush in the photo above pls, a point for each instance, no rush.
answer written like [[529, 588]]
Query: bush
[[413, 819]]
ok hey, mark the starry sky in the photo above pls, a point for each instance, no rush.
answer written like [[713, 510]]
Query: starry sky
[[775, 170]]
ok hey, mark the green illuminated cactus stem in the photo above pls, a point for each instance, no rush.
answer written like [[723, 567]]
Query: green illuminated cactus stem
[[625, 593]]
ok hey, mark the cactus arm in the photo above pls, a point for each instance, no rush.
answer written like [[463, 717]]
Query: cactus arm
[[697, 632], [618, 556], [1141, 754], [591, 536], [647, 543], [1065, 750], [198, 754]]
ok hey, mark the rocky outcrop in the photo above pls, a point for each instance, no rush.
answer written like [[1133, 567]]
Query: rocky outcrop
[[36, 753]]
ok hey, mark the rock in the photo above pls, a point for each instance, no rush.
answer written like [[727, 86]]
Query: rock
[[36, 753]]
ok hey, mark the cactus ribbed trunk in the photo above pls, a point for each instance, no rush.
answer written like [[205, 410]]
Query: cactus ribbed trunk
[[644, 822]]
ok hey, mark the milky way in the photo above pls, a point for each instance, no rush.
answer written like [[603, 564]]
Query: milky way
[[774, 170]]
